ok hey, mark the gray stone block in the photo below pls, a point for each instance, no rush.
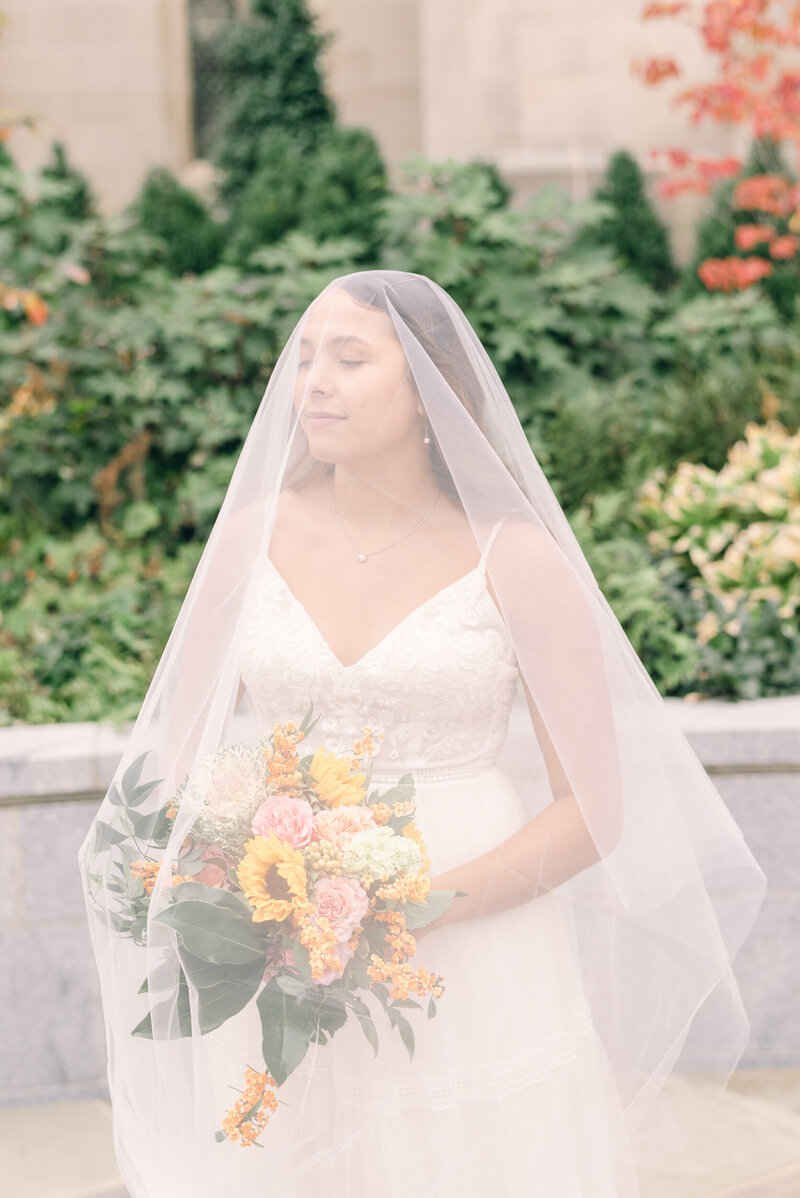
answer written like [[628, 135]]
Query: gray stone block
[[51, 836], [11, 866], [768, 971], [767, 808], [53, 1032]]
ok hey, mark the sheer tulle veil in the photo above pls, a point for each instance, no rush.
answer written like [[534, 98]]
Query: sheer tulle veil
[[659, 886]]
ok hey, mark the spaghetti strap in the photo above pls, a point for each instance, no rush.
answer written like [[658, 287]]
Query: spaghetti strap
[[489, 540]]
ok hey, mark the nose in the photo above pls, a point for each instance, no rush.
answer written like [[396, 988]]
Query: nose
[[316, 378]]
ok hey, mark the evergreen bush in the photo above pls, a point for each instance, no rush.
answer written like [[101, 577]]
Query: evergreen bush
[[193, 240], [271, 80], [633, 227]]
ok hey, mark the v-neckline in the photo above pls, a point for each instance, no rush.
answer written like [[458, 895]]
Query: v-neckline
[[479, 568]]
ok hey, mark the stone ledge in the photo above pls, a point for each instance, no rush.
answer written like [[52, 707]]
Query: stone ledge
[[52, 762]]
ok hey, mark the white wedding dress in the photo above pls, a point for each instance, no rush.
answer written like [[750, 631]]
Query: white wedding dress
[[508, 1091]]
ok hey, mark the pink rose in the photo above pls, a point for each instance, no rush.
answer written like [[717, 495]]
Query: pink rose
[[344, 954], [289, 818], [216, 872], [340, 823], [342, 901]]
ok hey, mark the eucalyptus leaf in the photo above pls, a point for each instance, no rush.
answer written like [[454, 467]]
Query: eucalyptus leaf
[[131, 776]]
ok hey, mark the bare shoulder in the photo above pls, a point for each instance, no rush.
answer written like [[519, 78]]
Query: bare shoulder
[[522, 551]]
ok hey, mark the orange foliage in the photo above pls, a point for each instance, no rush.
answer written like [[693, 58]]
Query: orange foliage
[[784, 247], [756, 85], [733, 274], [749, 236]]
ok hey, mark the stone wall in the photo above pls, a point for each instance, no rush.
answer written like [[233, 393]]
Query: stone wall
[[53, 777], [108, 77], [545, 90]]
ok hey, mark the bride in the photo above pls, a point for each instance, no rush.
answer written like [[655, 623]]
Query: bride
[[390, 554]]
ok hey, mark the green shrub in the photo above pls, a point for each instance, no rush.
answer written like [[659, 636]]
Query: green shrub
[[632, 227], [334, 191], [192, 239], [735, 534], [271, 80]]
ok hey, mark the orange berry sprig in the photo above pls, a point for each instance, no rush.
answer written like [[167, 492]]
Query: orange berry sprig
[[366, 746], [249, 1115], [403, 978], [406, 889], [148, 872], [283, 764]]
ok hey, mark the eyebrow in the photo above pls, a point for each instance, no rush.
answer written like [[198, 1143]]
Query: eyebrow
[[340, 340]]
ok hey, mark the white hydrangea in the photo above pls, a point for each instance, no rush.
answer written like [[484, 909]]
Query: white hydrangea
[[378, 851]]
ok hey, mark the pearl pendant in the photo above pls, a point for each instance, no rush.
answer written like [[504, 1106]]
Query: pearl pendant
[[362, 557]]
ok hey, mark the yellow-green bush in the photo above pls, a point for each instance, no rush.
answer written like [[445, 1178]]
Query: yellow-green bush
[[735, 530]]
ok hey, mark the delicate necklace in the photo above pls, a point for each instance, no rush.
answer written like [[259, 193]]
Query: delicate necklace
[[362, 557]]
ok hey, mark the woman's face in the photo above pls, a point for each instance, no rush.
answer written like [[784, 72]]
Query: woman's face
[[352, 367]]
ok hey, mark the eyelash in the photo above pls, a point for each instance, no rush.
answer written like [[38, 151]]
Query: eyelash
[[344, 362]]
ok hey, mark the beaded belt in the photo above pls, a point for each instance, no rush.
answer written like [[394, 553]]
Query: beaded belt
[[434, 773]]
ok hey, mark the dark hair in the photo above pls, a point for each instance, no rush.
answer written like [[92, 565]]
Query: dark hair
[[422, 310]]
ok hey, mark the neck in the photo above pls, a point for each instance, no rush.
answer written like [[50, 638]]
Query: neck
[[385, 498]]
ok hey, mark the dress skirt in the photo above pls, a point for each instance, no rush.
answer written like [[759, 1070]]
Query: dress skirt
[[508, 1093]]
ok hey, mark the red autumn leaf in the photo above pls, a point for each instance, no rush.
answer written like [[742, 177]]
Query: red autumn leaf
[[748, 236], [715, 169], [764, 193], [784, 247], [655, 70], [750, 270], [663, 10], [668, 188], [732, 274], [35, 308]]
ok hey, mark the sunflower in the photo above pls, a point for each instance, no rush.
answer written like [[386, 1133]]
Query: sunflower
[[332, 781], [272, 874]]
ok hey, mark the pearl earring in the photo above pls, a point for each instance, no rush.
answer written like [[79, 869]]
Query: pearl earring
[[426, 439]]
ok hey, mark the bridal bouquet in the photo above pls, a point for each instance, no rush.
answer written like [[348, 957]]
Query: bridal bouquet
[[296, 874]]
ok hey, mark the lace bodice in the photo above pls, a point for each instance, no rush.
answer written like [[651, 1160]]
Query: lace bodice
[[440, 684]]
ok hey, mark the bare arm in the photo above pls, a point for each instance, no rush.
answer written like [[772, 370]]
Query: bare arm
[[557, 842]]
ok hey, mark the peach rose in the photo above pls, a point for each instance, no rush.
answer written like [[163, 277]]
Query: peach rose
[[340, 823], [215, 873], [343, 901], [290, 818]]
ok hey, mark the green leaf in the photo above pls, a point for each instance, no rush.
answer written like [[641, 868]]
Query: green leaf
[[131, 776], [367, 1025], [290, 985], [286, 1031], [302, 961], [225, 998], [214, 933], [144, 1027], [418, 915], [405, 1029], [140, 793], [331, 1014], [106, 835]]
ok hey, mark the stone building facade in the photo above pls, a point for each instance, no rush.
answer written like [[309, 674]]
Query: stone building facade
[[545, 88]]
